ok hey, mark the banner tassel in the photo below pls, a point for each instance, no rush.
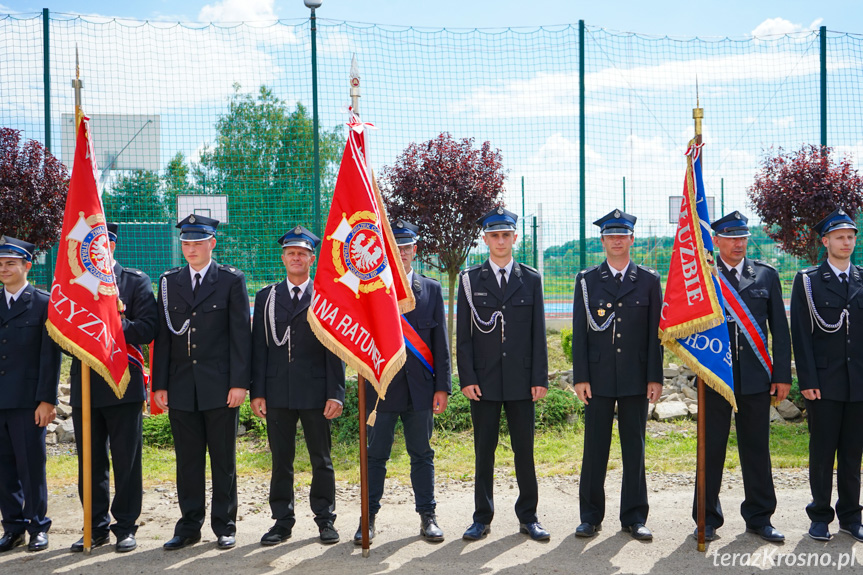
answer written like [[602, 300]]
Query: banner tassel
[[373, 416]]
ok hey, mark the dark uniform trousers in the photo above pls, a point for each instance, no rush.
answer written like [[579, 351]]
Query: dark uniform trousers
[[116, 423], [618, 362], [832, 363], [198, 369], [761, 291], [296, 380], [409, 397], [29, 373], [505, 366]]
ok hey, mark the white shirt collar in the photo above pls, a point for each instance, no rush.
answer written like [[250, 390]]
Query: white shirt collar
[[738, 267], [614, 271], [302, 287], [203, 272], [15, 295], [496, 269], [837, 271]]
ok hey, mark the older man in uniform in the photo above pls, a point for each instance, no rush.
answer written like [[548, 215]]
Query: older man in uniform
[[116, 424], [418, 391], [29, 374], [202, 364], [827, 332], [760, 297], [617, 361], [502, 364], [295, 378]]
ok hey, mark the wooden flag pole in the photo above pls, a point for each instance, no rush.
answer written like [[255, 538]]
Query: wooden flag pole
[[86, 457], [700, 466], [364, 465]]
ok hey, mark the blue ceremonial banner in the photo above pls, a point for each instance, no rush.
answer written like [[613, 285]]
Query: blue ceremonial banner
[[699, 339]]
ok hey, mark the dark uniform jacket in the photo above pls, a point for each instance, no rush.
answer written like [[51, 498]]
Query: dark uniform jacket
[[761, 291], [303, 376], [213, 356], [413, 385], [621, 360], [140, 323], [29, 358], [831, 362], [506, 365]]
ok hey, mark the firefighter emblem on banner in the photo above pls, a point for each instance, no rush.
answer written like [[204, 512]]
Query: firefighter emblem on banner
[[359, 256]]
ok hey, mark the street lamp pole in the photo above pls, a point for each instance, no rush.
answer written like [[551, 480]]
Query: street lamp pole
[[312, 5]]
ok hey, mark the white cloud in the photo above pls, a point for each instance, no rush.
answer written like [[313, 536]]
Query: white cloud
[[778, 26], [238, 11]]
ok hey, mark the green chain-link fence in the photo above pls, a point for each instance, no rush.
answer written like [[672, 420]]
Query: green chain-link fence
[[218, 119]]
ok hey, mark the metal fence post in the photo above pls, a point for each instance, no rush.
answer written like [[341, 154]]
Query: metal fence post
[[582, 243], [46, 75], [823, 34]]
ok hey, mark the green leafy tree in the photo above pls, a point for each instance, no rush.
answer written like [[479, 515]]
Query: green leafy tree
[[136, 197], [175, 181], [263, 160]]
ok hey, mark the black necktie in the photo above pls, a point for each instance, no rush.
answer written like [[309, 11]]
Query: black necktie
[[295, 301], [502, 279], [197, 283], [11, 302], [732, 277], [843, 279], [618, 277]]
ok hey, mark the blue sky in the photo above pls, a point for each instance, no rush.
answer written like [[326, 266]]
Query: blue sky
[[734, 18]]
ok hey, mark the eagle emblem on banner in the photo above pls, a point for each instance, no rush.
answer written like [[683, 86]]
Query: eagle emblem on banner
[[89, 255], [359, 255]]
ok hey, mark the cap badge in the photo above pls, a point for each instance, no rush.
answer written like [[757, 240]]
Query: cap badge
[[192, 219], [616, 213], [841, 212], [500, 210], [400, 225], [738, 216], [297, 230], [2, 240]]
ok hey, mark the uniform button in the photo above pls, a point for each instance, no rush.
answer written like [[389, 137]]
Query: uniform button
[[618, 350], [618, 335], [620, 304], [194, 313], [619, 319], [4, 357], [193, 330], [3, 372], [4, 341], [503, 307], [214, 306], [504, 354], [195, 361], [194, 345], [740, 347]]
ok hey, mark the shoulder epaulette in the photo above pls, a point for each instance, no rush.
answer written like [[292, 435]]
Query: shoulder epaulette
[[763, 264], [171, 271], [471, 268], [230, 269], [133, 271], [527, 267], [41, 291], [648, 270], [809, 270]]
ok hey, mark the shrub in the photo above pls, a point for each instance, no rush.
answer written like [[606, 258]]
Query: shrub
[[566, 343], [157, 431]]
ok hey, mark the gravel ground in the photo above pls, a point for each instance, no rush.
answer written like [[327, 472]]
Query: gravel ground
[[397, 547]]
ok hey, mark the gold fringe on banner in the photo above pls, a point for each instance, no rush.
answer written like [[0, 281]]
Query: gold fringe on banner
[[710, 378], [119, 389]]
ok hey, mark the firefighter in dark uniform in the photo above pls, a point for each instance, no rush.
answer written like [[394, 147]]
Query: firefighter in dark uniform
[[418, 391], [827, 332], [202, 370], [117, 423], [295, 378], [502, 364], [760, 290], [617, 359], [29, 374]]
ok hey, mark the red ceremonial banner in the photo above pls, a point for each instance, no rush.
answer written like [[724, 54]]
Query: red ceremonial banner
[[83, 315], [690, 304], [360, 288]]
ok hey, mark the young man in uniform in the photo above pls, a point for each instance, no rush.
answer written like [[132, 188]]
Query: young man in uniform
[[117, 424], [760, 296], [29, 374], [417, 392], [202, 370], [295, 378], [617, 361], [827, 332], [502, 364]]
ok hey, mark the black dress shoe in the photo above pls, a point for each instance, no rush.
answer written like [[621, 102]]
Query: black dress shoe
[[358, 536], [38, 542], [819, 531], [11, 541], [226, 542], [709, 533], [535, 530], [855, 530], [587, 529], [95, 541], [329, 535], [639, 532], [429, 529], [126, 543], [276, 535], [768, 533], [476, 532], [178, 542]]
